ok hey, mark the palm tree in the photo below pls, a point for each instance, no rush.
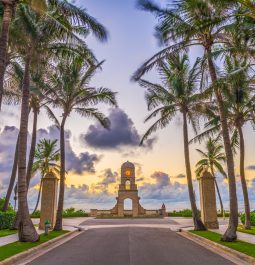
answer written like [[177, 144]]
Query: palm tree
[[177, 94], [239, 102], [239, 105], [12, 178], [70, 91], [185, 24], [46, 158], [212, 157], [9, 7], [45, 37]]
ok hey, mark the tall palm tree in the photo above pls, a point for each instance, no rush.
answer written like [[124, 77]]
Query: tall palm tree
[[12, 179], [239, 101], [182, 25], [8, 9], [31, 46], [178, 93], [71, 92], [212, 157], [46, 160], [13, 96], [239, 104], [61, 13], [52, 35]]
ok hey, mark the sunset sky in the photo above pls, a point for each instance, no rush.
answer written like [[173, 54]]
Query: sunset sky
[[95, 155]]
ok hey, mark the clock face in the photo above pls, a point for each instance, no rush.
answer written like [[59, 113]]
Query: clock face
[[127, 172]]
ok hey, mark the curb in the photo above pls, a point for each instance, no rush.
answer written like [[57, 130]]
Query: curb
[[35, 252], [228, 253]]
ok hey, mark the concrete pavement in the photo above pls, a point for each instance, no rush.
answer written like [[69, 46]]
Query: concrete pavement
[[130, 246]]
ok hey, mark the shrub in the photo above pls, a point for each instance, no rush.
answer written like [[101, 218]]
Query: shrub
[[181, 213], [226, 214], [6, 219], [10, 208], [36, 214], [71, 212], [242, 217]]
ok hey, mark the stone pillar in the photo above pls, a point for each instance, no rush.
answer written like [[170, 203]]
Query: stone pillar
[[135, 207], [121, 208], [49, 199], [208, 200]]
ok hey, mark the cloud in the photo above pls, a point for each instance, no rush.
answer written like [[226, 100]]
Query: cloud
[[122, 133], [251, 167], [163, 189], [107, 178], [78, 163], [180, 176], [83, 162]]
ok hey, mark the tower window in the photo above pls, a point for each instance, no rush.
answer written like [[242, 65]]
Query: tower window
[[127, 185]]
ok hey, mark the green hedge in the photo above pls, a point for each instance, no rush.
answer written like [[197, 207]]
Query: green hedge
[[188, 213], [181, 213], [10, 208], [36, 214], [70, 212], [242, 217], [6, 220]]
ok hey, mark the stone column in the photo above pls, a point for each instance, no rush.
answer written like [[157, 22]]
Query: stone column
[[135, 207], [120, 208], [49, 199], [208, 200]]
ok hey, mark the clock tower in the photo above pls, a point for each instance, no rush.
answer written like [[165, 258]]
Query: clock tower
[[128, 190]]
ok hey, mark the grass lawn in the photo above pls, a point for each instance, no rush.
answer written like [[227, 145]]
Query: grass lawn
[[251, 231], [14, 248], [241, 246], [7, 232]]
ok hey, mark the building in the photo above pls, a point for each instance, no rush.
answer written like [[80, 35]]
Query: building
[[128, 190]]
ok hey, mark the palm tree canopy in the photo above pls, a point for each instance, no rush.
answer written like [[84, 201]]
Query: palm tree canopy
[[178, 91], [213, 157], [186, 23], [238, 99], [46, 157], [69, 86]]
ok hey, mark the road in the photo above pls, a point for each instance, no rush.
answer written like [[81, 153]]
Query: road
[[130, 246]]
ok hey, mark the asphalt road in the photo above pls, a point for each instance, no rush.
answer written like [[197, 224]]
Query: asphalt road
[[130, 246], [128, 221]]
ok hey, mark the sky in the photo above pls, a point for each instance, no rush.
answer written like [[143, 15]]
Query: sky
[[94, 155]]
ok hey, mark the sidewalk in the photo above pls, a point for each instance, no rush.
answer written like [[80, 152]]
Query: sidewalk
[[69, 224], [241, 236]]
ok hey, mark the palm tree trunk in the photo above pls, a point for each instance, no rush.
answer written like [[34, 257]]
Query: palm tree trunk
[[247, 224], [7, 17], [218, 192], [26, 229], [32, 148], [198, 224], [12, 179], [58, 225], [38, 197], [230, 234]]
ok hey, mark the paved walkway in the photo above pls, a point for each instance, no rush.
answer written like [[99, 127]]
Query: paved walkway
[[69, 224], [130, 246], [241, 236]]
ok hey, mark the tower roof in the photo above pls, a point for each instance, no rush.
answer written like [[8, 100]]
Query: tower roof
[[128, 164]]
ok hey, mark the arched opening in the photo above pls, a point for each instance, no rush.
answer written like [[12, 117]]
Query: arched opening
[[127, 185], [128, 204]]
